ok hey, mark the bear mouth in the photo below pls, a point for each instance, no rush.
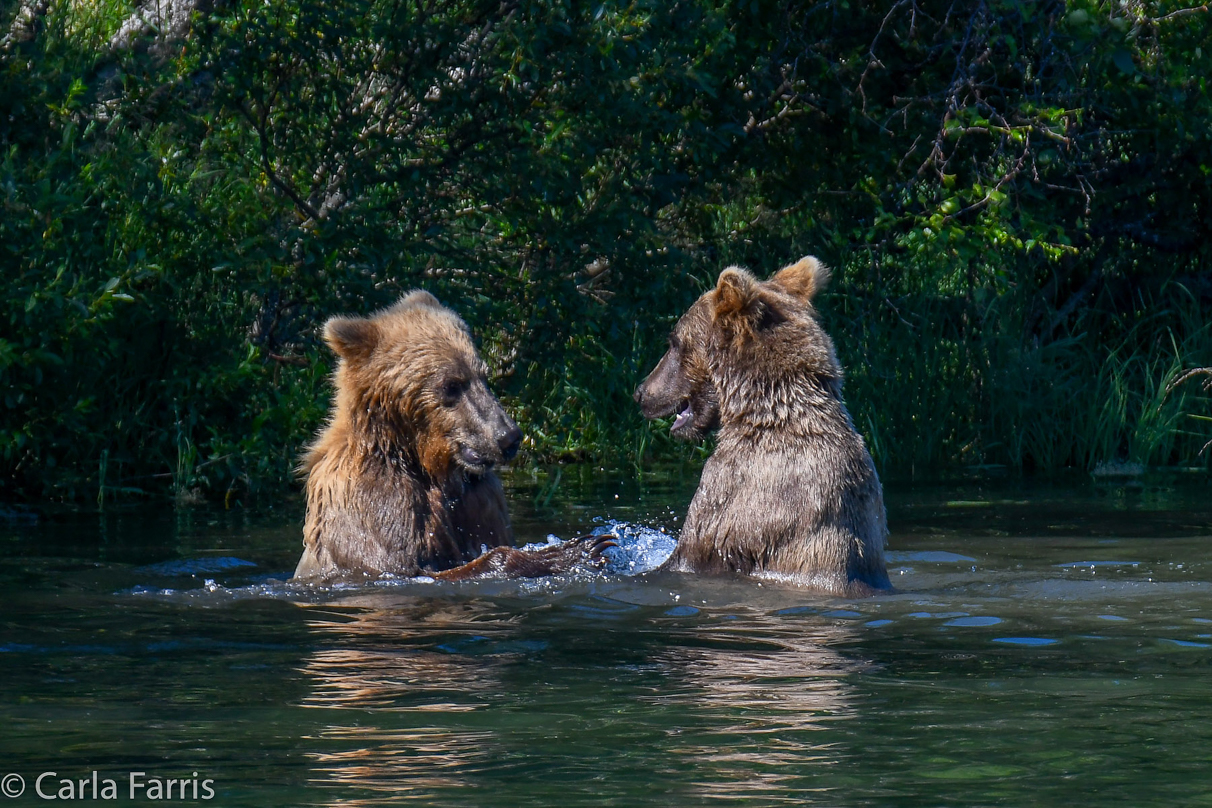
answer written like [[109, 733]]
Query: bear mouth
[[472, 460], [684, 418]]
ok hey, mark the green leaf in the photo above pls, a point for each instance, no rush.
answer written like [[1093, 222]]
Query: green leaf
[[1123, 60]]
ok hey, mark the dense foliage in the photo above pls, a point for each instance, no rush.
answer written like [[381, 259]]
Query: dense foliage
[[1016, 197]]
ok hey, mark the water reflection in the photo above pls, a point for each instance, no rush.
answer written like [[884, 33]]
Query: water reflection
[[379, 657], [764, 691], [396, 765], [422, 699]]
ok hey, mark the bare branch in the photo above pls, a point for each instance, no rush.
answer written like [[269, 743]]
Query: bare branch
[[272, 174], [1182, 12]]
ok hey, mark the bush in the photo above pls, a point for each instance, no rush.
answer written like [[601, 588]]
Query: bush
[[1015, 197]]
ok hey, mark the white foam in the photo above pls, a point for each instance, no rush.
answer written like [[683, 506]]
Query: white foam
[[640, 548]]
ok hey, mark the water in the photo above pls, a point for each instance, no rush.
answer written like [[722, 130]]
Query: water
[[1045, 645]]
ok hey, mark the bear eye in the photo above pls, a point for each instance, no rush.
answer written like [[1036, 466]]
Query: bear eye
[[674, 343], [451, 390]]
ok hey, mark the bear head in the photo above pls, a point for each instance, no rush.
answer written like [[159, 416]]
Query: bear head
[[747, 350], [410, 382]]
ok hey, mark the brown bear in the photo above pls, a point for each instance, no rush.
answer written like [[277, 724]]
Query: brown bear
[[401, 479], [790, 491]]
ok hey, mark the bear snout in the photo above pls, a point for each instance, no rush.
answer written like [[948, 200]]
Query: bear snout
[[509, 441], [652, 404], [656, 403]]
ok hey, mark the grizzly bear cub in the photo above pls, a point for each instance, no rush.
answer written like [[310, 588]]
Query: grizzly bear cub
[[401, 479], [790, 491]]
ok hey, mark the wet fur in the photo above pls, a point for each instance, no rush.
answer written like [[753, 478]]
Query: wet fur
[[790, 492], [400, 480]]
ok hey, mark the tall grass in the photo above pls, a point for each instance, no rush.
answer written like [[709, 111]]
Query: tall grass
[[931, 396]]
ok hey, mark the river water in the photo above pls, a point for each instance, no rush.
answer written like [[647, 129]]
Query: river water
[[1046, 645]]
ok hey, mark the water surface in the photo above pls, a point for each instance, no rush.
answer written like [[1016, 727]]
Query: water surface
[[1045, 645]]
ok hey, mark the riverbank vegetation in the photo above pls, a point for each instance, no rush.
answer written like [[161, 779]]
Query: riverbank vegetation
[[1016, 199]]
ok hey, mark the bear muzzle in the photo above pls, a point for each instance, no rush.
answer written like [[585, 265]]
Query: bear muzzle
[[509, 441], [657, 399]]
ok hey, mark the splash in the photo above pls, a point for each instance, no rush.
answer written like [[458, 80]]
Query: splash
[[641, 548]]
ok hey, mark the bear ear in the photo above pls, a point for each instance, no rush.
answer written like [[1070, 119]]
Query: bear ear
[[351, 337], [415, 299], [803, 279], [736, 299]]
